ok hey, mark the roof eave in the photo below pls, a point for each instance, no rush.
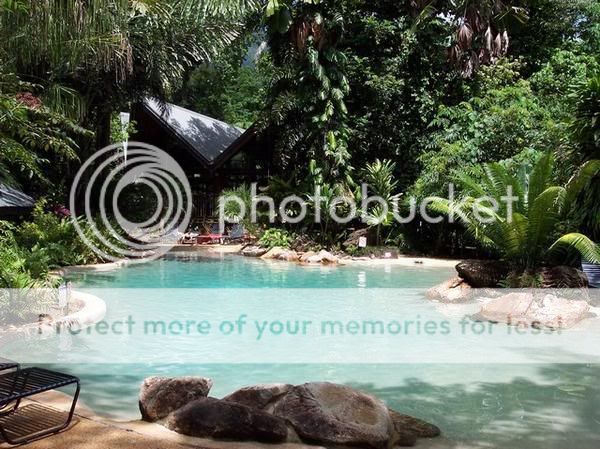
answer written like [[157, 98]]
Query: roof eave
[[209, 165]]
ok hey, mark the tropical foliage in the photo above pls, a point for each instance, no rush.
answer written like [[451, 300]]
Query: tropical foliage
[[97, 55], [536, 227], [306, 103], [276, 237], [34, 139], [405, 96], [586, 125], [379, 176]]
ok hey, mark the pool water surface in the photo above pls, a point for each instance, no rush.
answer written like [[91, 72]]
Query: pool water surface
[[542, 405]]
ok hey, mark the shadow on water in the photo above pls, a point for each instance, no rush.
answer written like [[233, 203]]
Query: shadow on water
[[559, 410]]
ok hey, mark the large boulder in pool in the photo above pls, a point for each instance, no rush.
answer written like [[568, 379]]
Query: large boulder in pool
[[454, 290], [557, 313], [262, 397], [525, 309], [214, 418], [159, 396], [482, 273], [409, 429], [507, 308], [331, 414]]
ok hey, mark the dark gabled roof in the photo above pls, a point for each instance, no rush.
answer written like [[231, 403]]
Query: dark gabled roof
[[14, 198], [210, 140]]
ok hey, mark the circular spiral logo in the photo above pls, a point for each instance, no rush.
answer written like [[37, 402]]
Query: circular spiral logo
[[105, 177]]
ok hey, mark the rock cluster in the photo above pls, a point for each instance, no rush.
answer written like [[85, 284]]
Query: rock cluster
[[277, 253], [322, 257], [319, 413], [253, 251], [454, 290], [528, 309]]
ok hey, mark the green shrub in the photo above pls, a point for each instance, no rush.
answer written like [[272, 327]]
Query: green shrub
[[538, 229], [57, 240], [21, 271], [276, 237]]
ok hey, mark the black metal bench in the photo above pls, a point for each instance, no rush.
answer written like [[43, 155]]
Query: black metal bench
[[20, 425], [8, 365]]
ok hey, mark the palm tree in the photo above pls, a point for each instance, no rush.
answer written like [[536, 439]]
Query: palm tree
[[96, 55], [530, 234]]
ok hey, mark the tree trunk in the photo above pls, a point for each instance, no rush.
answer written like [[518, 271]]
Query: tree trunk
[[103, 126]]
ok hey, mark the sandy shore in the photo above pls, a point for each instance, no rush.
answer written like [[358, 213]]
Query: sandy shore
[[89, 431]]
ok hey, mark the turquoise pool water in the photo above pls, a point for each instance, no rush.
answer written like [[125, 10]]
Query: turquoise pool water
[[543, 405]]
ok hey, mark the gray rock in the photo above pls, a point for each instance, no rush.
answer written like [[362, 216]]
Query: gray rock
[[404, 424], [289, 256], [214, 418], [508, 308], [261, 397], [159, 396], [307, 255], [331, 414], [273, 253], [315, 259], [322, 257], [327, 257], [454, 290], [523, 309], [482, 273], [254, 251], [557, 313], [563, 277]]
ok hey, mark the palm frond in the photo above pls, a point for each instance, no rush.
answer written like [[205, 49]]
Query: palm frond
[[543, 217], [580, 180], [540, 177], [583, 245]]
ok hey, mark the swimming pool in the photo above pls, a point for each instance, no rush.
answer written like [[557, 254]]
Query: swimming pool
[[543, 405]]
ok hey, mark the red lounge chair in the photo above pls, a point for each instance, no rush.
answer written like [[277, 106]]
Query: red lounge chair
[[212, 237]]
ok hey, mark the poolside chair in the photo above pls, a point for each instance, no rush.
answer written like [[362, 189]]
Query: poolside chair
[[212, 236], [7, 364], [237, 234], [188, 238], [20, 425]]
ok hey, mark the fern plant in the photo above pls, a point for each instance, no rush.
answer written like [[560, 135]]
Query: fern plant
[[379, 176], [532, 232]]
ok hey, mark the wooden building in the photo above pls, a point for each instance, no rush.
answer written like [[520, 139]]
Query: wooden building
[[214, 155]]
